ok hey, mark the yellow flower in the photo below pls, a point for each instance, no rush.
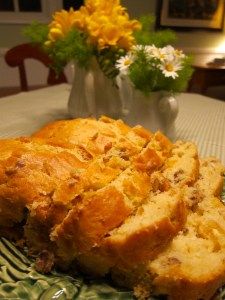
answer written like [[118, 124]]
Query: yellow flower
[[101, 5], [109, 25], [55, 33], [62, 23], [109, 36], [106, 24], [80, 18]]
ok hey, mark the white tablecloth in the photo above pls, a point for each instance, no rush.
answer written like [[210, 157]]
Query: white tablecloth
[[200, 119]]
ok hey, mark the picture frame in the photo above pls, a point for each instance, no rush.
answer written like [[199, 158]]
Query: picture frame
[[190, 14]]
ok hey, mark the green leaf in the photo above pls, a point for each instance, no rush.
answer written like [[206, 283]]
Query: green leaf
[[36, 32]]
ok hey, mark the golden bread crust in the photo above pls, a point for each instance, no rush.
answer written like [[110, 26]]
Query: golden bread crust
[[95, 136], [90, 220]]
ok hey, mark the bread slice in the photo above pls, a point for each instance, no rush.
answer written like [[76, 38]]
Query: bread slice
[[143, 235], [192, 265]]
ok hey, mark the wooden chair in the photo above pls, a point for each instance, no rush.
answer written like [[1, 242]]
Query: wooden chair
[[16, 56]]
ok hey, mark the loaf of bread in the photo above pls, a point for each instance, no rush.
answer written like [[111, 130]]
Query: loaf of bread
[[111, 199]]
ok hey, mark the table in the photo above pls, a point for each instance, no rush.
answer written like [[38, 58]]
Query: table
[[208, 71], [201, 119]]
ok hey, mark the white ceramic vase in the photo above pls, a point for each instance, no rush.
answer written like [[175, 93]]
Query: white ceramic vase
[[93, 94], [157, 111]]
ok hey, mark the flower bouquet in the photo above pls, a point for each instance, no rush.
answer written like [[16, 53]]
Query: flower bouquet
[[152, 68], [106, 47], [100, 29]]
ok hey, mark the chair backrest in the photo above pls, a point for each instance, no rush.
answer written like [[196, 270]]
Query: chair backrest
[[16, 56]]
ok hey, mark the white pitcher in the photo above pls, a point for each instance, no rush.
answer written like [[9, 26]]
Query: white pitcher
[[93, 94], [156, 111]]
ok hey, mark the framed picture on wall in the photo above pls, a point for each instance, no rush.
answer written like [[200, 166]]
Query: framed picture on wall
[[191, 14]]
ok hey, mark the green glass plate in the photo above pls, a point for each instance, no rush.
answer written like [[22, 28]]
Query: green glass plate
[[19, 280]]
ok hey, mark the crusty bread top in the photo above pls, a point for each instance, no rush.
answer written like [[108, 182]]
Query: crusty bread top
[[96, 136], [31, 171]]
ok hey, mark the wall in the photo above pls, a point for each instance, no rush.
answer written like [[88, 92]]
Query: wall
[[11, 35], [191, 42]]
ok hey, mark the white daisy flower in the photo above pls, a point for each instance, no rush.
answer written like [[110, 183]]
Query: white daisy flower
[[149, 49], [160, 53], [170, 67], [152, 51], [179, 53], [124, 62], [175, 52], [167, 53], [136, 48], [169, 49]]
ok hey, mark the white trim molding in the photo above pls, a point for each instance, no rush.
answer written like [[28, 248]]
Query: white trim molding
[[18, 17]]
